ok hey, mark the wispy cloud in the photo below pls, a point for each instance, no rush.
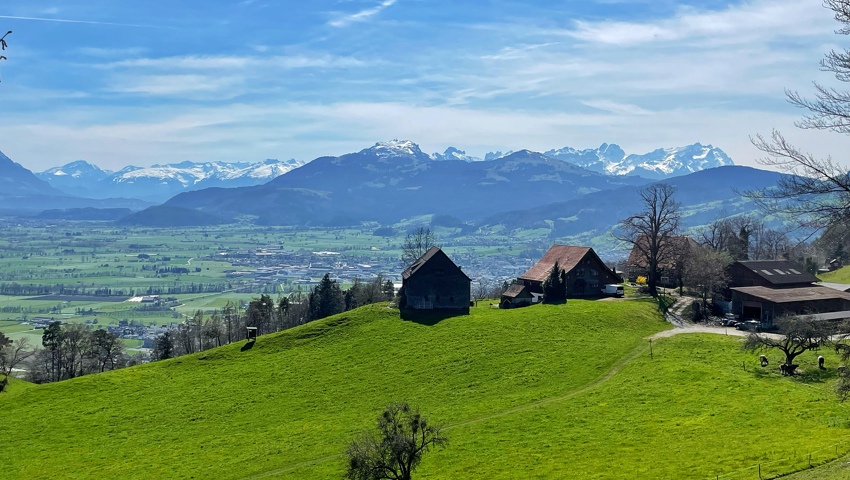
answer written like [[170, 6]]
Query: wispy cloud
[[774, 17], [213, 62], [87, 22], [362, 15]]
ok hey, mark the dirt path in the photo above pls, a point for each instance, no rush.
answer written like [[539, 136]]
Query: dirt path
[[676, 316]]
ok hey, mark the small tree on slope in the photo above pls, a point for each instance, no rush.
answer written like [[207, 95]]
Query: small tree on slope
[[404, 437]]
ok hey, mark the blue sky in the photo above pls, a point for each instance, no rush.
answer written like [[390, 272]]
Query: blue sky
[[119, 82]]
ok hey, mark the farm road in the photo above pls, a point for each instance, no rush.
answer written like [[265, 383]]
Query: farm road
[[676, 316]]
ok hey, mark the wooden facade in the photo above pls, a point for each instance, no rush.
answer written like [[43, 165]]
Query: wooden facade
[[587, 274], [434, 282]]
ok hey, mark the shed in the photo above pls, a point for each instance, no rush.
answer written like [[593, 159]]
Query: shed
[[516, 296], [434, 282], [769, 273]]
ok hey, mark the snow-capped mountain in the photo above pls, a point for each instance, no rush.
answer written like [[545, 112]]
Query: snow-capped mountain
[[161, 182], [396, 149], [496, 155], [610, 159], [453, 153]]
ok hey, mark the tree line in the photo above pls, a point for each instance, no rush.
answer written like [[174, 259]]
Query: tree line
[[268, 315]]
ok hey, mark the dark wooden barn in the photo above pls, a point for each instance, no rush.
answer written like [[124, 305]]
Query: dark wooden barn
[[434, 282], [587, 274]]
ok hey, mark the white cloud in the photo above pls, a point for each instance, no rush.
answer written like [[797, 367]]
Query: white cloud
[[362, 15], [758, 17]]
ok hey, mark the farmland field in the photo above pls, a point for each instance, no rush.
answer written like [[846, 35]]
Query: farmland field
[[541, 392]]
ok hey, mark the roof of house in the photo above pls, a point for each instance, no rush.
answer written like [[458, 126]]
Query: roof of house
[[638, 259], [567, 257], [415, 266], [791, 295], [516, 290], [843, 287], [779, 272]]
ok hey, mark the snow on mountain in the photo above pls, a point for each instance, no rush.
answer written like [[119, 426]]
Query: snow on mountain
[[453, 153], [610, 159], [160, 182], [396, 148], [496, 155], [673, 162], [79, 169]]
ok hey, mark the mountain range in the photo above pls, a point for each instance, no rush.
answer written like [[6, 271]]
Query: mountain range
[[158, 183]]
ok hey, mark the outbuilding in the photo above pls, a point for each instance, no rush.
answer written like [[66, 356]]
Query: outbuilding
[[434, 282]]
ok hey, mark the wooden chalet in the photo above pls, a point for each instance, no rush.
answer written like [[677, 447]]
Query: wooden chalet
[[434, 282], [763, 290], [587, 274]]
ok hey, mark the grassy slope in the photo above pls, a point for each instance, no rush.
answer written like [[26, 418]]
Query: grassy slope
[[842, 275], [524, 393]]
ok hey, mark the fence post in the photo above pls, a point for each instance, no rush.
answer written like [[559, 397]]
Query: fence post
[[810, 460], [759, 471]]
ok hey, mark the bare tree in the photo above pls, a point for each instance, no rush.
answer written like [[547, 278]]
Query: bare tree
[[404, 437], [705, 272], [416, 244], [12, 354], [798, 335], [4, 45], [652, 230], [817, 193]]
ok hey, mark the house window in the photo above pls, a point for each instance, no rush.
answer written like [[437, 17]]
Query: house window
[[580, 272], [594, 273], [594, 284]]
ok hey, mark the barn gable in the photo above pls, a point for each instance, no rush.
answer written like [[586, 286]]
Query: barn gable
[[434, 282]]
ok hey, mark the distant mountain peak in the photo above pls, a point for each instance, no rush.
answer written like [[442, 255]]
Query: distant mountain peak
[[396, 148], [453, 153], [610, 159]]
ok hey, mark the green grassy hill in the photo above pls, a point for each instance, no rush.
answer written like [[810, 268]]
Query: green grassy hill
[[543, 392], [842, 275]]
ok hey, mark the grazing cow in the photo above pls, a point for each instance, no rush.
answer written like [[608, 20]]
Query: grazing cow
[[820, 361], [784, 369], [764, 361]]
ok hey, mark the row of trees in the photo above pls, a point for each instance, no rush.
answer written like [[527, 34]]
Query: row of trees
[[73, 350], [267, 315]]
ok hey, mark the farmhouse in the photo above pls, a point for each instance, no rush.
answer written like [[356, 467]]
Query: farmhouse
[[670, 262], [586, 272], [435, 282], [766, 289]]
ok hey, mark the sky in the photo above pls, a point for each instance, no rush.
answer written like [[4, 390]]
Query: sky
[[121, 83]]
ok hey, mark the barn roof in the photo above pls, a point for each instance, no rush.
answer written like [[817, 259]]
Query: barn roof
[[516, 290], [779, 272], [567, 257], [431, 253], [791, 295]]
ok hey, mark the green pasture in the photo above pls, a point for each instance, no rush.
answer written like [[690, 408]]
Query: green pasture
[[842, 275], [549, 391]]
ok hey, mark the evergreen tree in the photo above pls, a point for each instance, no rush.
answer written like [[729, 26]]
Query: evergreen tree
[[164, 347], [555, 285], [326, 299]]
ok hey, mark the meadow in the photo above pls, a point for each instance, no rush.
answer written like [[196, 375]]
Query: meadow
[[549, 391]]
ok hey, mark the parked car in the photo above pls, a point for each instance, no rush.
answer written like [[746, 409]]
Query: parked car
[[613, 289]]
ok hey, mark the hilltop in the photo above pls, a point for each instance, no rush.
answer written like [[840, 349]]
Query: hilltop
[[549, 391]]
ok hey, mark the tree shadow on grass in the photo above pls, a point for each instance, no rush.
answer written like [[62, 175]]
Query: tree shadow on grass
[[430, 317], [248, 345]]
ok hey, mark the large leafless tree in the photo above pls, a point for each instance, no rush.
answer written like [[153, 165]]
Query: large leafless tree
[[817, 191], [416, 243], [652, 231]]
